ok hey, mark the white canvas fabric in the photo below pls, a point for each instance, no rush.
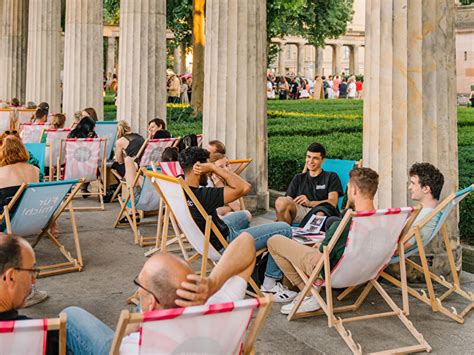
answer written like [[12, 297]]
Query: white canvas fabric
[[82, 158], [32, 132], [174, 195], [5, 116], [23, 337], [372, 241], [25, 115], [53, 140], [154, 149]]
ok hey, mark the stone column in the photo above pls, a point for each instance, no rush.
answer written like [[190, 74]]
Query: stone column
[[142, 58], [281, 58], [177, 60], [182, 63], [318, 61], [83, 57], [337, 59], [234, 87], [13, 49], [43, 65], [354, 68], [111, 62], [300, 60], [410, 100]]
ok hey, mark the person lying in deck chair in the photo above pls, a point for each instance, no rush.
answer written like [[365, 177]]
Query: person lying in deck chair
[[195, 163], [363, 184], [18, 274], [164, 282]]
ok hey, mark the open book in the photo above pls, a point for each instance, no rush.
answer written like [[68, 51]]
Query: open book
[[311, 232]]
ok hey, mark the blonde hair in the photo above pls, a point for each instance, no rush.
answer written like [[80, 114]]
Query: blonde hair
[[123, 128], [58, 120], [12, 151]]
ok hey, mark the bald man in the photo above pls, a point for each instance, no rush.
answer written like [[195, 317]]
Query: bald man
[[167, 281]]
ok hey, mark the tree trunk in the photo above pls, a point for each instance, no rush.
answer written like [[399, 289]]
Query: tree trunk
[[198, 55]]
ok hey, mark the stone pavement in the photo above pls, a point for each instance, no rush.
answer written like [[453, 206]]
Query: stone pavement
[[112, 261]]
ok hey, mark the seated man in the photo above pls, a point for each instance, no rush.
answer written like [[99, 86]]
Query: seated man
[[157, 129], [18, 275], [361, 190], [316, 191], [426, 183], [216, 146], [165, 282]]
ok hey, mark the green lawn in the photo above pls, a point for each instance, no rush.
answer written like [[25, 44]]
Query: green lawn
[[337, 124]]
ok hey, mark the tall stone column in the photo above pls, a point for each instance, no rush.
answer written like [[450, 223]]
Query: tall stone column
[[43, 64], [410, 100], [337, 59], [300, 60], [83, 57], [234, 87], [142, 57], [182, 63], [111, 62], [354, 60], [13, 49], [281, 58], [318, 61], [177, 60]]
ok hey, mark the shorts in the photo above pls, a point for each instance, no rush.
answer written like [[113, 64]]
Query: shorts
[[233, 290], [301, 212]]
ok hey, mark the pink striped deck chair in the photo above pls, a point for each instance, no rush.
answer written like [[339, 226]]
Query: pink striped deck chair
[[53, 141], [25, 114], [29, 337], [200, 139], [153, 149], [239, 165], [6, 115], [82, 160], [32, 132], [225, 328], [373, 238]]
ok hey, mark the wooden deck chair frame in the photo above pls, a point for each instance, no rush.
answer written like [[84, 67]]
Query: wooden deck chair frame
[[53, 165], [25, 110], [127, 318], [73, 263], [328, 308], [207, 233], [101, 176]]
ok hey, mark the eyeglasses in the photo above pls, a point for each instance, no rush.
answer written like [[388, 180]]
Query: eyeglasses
[[7, 133], [135, 281], [34, 271]]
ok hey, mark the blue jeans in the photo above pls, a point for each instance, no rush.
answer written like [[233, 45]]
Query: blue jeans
[[86, 334], [238, 223]]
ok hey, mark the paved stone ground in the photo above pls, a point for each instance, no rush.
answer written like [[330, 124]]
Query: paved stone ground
[[112, 261]]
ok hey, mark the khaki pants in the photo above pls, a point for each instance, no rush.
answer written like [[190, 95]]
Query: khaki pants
[[287, 252]]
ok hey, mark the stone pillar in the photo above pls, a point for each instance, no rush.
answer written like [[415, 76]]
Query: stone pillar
[[43, 65], [281, 58], [83, 57], [13, 49], [111, 56], [300, 60], [354, 68], [182, 62], [337, 59], [177, 60], [142, 58], [410, 100], [318, 61], [234, 87]]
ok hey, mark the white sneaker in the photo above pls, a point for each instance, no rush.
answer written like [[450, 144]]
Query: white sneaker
[[280, 293], [309, 304], [36, 296]]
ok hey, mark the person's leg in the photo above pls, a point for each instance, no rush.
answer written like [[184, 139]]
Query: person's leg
[[285, 209], [86, 334], [237, 221]]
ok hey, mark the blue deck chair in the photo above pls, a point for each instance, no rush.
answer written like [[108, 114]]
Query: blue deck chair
[[32, 212], [38, 150], [108, 130]]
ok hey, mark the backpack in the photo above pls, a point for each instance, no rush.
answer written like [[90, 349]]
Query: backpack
[[188, 141]]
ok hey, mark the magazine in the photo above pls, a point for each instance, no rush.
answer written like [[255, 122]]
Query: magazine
[[313, 226], [309, 239]]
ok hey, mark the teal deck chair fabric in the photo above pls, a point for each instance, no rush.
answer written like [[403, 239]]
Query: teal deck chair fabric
[[342, 169], [108, 130], [149, 199], [38, 150]]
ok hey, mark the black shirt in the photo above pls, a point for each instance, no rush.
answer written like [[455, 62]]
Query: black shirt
[[210, 198], [316, 188], [52, 343]]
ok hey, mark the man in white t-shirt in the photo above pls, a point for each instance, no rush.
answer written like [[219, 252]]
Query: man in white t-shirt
[[167, 281]]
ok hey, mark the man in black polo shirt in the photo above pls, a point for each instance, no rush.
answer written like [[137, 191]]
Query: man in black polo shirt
[[316, 191]]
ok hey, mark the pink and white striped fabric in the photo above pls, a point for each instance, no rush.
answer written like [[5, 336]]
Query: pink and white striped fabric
[[32, 132], [53, 140], [171, 168], [23, 337], [5, 117], [200, 138], [82, 158], [208, 329], [372, 241], [154, 149]]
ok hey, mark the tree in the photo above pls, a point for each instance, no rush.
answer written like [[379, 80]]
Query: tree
[[112, 12]]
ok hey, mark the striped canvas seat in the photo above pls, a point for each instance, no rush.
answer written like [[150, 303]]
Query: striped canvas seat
[[154, 149], [32, 132]]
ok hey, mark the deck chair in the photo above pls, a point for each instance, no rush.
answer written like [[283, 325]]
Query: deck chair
[[200, 139], [32, 132], [25, 114], [374, 237], [6, 116], [239, 165], [32, 212], [38, 150], [82, 160], [441, 213], [152, 150], [209, 329], [29, 337], [108, 130], [173, 191], [53, 140]]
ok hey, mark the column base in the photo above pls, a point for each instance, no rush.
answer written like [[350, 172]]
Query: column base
[[257, 202]]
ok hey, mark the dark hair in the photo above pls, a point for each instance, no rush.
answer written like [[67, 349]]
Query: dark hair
[[430, 176], [317, 148], [366, 179], [84, 129], [40, 112], [10, 252], [220, 147], [161, 134], [170, 154], [92, 114], [159, 122], [44, 106], [15, 102], [190, 156]]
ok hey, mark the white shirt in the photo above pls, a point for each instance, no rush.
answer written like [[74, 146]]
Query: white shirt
[[351, 90]]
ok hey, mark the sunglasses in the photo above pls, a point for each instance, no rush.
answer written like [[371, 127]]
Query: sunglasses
[[7, 133]]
